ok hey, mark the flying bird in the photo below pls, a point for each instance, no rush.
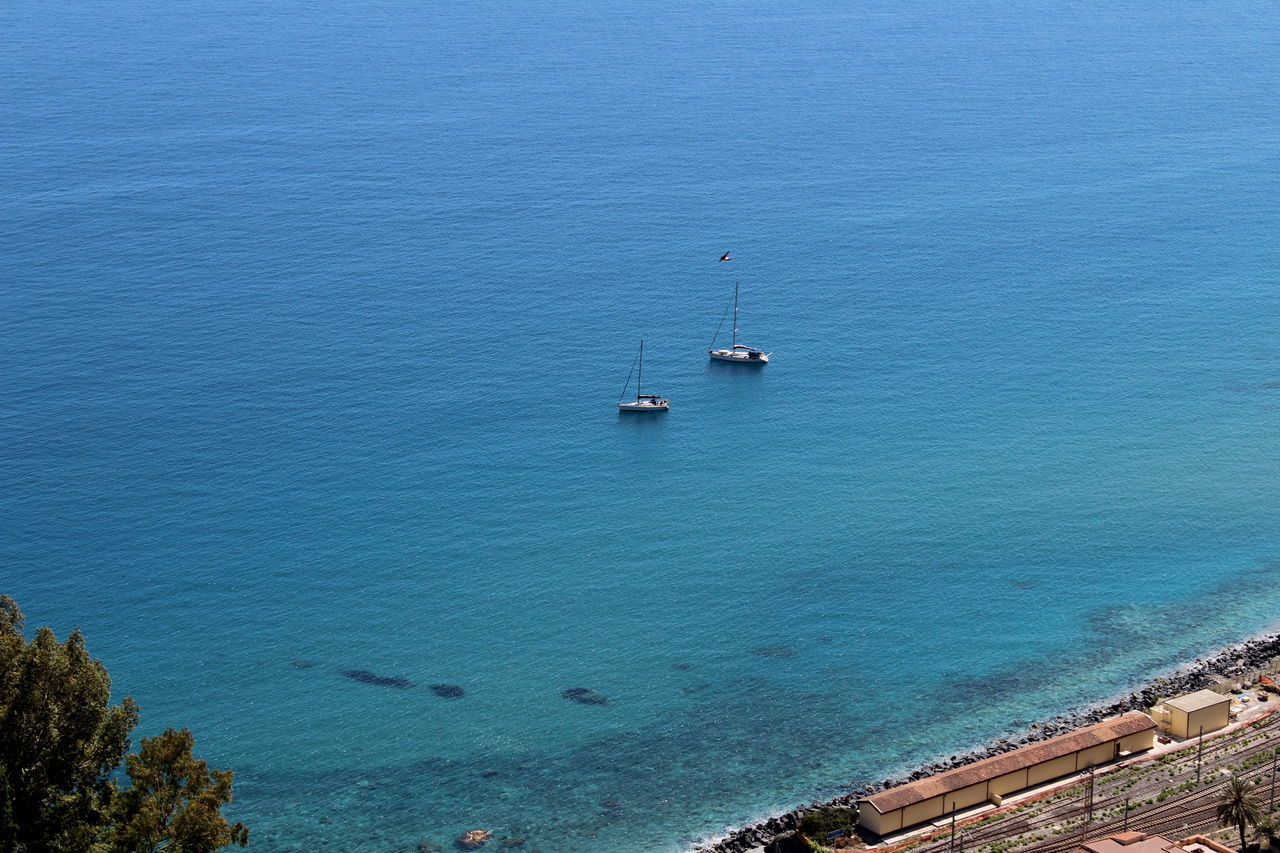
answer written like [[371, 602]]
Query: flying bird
[[725, 257]]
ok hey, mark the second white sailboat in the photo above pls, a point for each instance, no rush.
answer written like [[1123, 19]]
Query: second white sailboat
[[737, 353]]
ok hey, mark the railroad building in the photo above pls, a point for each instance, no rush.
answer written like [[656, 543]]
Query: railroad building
[[993, 779], [1183, 716]]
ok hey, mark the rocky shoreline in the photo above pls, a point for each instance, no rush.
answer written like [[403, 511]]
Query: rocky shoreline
[[1234, 660]]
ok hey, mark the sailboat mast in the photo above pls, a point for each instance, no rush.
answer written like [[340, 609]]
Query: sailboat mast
[[640, 369], [735, 317]]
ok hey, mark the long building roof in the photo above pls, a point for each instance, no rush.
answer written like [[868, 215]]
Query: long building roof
[[999, 765]]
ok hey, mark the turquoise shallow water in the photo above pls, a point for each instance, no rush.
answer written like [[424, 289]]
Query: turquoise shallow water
[[314, 316]]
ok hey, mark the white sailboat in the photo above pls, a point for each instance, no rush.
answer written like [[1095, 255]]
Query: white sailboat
[[737, 353], [642, 402]]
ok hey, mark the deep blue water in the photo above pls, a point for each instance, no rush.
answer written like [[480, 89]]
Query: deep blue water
[[314, 316]]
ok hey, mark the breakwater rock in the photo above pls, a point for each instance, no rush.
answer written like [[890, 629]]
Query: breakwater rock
[[1242, 659]]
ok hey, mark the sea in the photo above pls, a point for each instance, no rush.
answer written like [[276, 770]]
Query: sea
[[314, 316]]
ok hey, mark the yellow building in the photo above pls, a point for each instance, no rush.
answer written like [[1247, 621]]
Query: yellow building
[[992, 779], [1183, 716]]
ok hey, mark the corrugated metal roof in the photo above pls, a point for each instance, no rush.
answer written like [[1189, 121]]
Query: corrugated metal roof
[[999, 765], [1196, 701]]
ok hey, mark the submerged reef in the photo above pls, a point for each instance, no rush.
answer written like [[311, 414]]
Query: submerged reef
[[448, 691], [364, 676], [585, 696]]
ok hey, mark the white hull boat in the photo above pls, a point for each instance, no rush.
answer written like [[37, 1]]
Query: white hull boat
[[643, 403], [737, 353], [740, 353]]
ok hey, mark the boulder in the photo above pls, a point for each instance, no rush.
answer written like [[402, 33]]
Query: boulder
[[788, 842], [473, 839]]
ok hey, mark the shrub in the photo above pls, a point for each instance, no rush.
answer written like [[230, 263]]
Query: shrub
[[817, 824]]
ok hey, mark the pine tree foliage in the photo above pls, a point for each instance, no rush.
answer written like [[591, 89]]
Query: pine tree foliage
[[60, 738], [61, 742], [174, 800]]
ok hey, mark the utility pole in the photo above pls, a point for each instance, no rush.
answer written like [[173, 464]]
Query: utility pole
[[1089, 818], [1086, 820], [951, 845], [1271, 805], [1199, 752]]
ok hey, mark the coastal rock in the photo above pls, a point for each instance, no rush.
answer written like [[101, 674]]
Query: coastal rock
[[429, 847], [448, 691], [585, 696], [364, 676], [512, 842], [788, 842], [301, 664], [473, 839]]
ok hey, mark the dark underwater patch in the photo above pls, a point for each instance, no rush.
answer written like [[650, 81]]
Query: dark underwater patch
[[448, 691], [585, 696], [364, 676]]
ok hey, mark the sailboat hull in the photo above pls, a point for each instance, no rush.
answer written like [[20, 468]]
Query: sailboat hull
[[644, 406], [738, 356]]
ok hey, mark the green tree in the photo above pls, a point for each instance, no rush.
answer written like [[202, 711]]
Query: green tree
[[61, 743], [1239, 806], [173, 802], [60, 739]]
